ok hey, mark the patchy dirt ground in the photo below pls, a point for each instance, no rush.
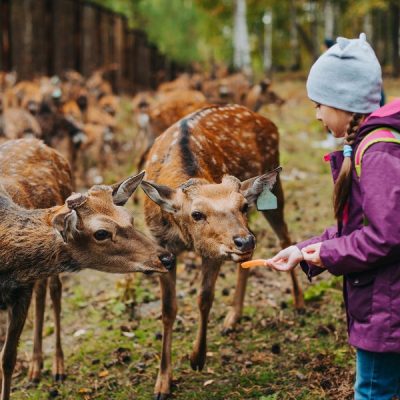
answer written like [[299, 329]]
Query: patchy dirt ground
[[112, 328]]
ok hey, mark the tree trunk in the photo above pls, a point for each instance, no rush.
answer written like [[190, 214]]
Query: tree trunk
[[241, 45], [367, 27], [267, 20], [329, 22], [294, 37]]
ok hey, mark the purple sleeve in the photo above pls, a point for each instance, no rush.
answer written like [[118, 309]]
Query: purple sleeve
[[310, 269], [379, 242]]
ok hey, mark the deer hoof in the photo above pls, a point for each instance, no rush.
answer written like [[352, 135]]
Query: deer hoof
[[197, 361], [161, 396], [59, 377], [34, 380], [34, 377], [227, 331]]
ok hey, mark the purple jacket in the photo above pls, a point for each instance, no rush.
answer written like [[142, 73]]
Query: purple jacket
[[368, 257]]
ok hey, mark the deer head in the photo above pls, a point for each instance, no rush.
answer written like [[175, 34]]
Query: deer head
[[100, 234], [213, 217]]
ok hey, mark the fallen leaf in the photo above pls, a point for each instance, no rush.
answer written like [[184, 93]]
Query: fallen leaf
[[85, 390], [128, 334], [80, 332]]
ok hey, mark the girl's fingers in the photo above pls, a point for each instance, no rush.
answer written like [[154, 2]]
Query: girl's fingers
[[279, 266], [277, 257], [308, 257]]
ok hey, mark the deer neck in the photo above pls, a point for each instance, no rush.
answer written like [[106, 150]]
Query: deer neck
[[169, 233], [30, 248]]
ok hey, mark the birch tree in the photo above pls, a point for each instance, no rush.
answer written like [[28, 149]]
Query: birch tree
[[241, 46]]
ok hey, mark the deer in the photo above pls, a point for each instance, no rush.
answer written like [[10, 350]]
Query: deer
[[18, 123], [238, 89], [45, 230], [202, 175]]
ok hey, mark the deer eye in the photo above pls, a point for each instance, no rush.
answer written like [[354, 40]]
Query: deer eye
[[245, 208], [102, 234], [198, 216]]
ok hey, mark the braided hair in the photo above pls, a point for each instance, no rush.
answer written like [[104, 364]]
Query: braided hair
[[343, 182]]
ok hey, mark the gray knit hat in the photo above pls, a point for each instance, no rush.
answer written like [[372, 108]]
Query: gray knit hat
[[348, 76]]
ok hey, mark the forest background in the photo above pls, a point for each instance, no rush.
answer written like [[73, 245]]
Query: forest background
[[283, 35]]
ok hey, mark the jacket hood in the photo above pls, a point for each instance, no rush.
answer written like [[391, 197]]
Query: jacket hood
[[386, 116]]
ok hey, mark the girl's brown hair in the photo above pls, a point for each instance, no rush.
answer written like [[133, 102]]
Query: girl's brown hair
[[343, 182]]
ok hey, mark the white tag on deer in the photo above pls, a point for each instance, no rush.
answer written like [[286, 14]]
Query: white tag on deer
[[267, 200]]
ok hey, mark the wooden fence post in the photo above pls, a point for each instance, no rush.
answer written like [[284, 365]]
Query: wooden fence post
[[5, 40], [65, 30]]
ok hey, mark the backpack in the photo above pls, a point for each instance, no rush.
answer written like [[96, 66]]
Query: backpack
[[383, 134], [379, 135]]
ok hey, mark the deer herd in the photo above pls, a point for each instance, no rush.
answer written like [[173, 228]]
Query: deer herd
[[208, 155]]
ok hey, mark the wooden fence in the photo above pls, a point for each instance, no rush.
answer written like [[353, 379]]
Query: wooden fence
[[48, 37]]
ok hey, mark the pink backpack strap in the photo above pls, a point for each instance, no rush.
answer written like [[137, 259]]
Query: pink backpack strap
[[376, 136]]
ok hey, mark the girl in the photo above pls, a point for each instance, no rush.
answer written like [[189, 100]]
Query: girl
[[364, 247]]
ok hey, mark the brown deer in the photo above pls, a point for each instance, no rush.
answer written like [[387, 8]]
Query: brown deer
[[238, 89], [260, 95], [25, 94], [203, 173], [40, 239]]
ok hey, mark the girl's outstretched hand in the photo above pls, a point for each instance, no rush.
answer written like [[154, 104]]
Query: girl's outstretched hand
[[311, 254], [286, 259]]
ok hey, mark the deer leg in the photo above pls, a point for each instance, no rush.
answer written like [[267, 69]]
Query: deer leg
[[235, 312], [55, 287], [17, 313], [162, 388], [36, 363], [209, 274], [278, 224]]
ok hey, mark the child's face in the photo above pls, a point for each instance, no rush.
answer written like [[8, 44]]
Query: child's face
[[335, 120]]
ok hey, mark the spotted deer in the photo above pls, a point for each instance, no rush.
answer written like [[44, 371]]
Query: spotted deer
[[203, 173], [45, 231]]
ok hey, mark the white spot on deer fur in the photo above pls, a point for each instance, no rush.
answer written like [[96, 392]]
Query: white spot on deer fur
[[154, 158]]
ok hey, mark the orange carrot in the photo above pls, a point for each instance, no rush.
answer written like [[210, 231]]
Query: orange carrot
[[254, 263]]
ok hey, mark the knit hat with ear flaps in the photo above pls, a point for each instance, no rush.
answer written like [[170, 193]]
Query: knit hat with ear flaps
[[348, 76]]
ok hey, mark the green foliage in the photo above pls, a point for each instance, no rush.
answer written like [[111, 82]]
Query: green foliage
[[318, 290], [202, 30]]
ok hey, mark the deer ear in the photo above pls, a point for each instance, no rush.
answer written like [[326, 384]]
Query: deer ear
[[124, 189], [252, 188], [161, 195], [65, 222], [265, 84]]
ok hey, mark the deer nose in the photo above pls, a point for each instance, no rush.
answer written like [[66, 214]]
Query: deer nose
[[168, 260], [245, 243]]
